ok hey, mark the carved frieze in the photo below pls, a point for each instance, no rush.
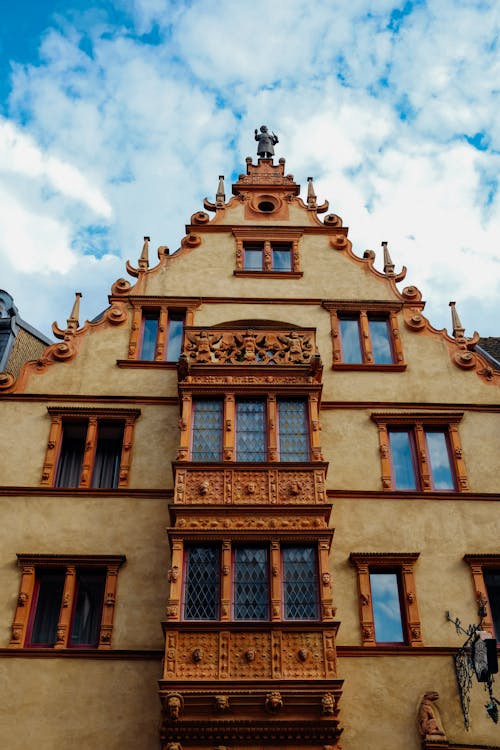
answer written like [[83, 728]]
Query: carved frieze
[[251, 522], [193, 645], [250, 656], [247, 346], [303, 656]]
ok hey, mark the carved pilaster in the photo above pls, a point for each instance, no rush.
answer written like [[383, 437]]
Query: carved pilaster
[[65, 613], [89, 452], [184, 422], [135, 332], [226, 567], [229, 427], [125, 461], [272, 428], [161, 339], [20, 623], [50, 463]]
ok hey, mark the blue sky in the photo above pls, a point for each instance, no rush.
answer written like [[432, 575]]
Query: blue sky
[[117, 117]]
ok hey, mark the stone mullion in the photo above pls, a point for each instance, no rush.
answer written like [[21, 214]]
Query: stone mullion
[[185, 426], [325, 582], [175, 575], [314, 428], [422, 458], [135, 332], [410, 608], [89, 453], [229, 427], [395, 337], [365, 606], [457, 458], [68, 598], [385, 456], [364, 332], [276, 587], [24, 604], [239, 255], [336, 345], [272, 427], [295, 256], [108, 610], [53, 446], [268, 256], [161, 335], [226, 577], [482, 595], [128, 435]]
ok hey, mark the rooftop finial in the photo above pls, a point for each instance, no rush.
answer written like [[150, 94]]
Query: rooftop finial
[[144, 259], [266, 140], [73, 320], [311, 195], [458, 329], [388, 264], [220, 197]]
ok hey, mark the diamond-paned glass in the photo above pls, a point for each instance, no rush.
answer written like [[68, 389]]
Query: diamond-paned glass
[[293, 431], [250, 430], [251, 583], [207, 430], [202, 585], [300, 581]]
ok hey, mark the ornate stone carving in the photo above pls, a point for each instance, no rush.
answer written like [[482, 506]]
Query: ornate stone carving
[[257, 668], [308, 645], [430, 726], [197, 655], [173, 574], [250, 347], [222, 703], [296, 487], [274, 702], [174, 705], [204, 645], [327, 704]]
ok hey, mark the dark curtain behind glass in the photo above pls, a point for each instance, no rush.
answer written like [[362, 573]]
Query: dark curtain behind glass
[[69, 467], [48, 606], [108, 455], [87, 614]]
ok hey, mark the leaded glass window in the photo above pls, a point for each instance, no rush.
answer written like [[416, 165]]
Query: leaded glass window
[[293, 431], [250, 430], [251, 583], [202, 587], [207, 430], [300, 582]]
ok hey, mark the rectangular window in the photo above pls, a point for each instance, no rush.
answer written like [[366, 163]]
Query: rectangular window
[[106, 458], [387, 598], [485, 571], [264, 256], [370, 346], [406, 468], [66, 602], [300, 583], [250, 430], [207, 430], [251, 583], [386, 603], [492, 583], [293, 430], [202, 583], [162, 335]]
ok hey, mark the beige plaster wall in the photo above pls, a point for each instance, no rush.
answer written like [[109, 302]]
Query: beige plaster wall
[[381, 697], [88, 704], [441, 530], [87, 525]]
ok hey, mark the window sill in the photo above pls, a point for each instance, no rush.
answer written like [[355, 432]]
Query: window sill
[[269, 274], [83, 653], [372, 367], [147, 364]]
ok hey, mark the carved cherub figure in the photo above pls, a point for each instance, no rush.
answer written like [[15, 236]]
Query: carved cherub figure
[[429, 720], [201, 344]]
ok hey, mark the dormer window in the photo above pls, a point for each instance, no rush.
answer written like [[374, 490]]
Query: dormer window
[[267, 256], [274, 253]]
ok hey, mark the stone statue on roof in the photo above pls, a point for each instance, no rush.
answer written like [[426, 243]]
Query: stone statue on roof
[[266, 141]]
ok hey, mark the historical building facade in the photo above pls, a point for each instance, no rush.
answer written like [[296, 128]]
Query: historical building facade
[[238, 506]]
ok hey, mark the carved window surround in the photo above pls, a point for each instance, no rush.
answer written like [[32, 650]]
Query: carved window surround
[[31, 563], [364, 312], [403, 564], [322, 542], [60, 414], [418, 423], [479, 564], [228, 394], [266, 238], [144, 305]]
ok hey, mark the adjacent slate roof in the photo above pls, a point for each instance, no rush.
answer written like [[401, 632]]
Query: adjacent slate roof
[[491, 345]]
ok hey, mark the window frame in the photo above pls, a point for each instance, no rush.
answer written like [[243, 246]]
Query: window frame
[[401, 563], [419, 424], [229, 430], [92, 417], [364, 313], [275, 571], [31, 565], [268, 242], [166, 310], [479, 564]]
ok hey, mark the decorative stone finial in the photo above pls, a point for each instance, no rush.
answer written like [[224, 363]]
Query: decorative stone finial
[[458, 329], [311, 195], [266, 140], [388, 264], [143, 261], [73, 320], [220, 197]]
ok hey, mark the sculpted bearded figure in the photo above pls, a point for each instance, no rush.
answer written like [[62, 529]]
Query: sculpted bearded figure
[[266, 141]]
